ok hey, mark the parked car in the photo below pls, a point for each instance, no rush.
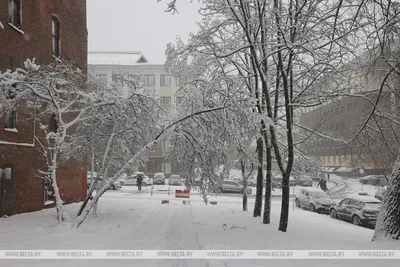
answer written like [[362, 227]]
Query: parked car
[[380, 192], [376, 180], [304, 181], [175, 179], [252, 182], [132, 180], [361, 209], [115, 186], [314, 199], [233, 187], [159, 178]]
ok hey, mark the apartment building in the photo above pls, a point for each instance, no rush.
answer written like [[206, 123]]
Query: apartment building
[[156, 82], [347, 148], [46, 30]]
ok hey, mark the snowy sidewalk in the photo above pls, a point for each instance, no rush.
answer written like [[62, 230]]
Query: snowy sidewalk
[[136, 221]]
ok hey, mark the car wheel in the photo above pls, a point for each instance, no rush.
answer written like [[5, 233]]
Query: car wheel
[[219, 190], [144, 184], [333, 214], [312, 208], [297, 202], [356, 220], [112, 187]]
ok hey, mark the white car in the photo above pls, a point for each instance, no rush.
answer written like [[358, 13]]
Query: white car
[[131, 181], [115, 186], [314, 199]]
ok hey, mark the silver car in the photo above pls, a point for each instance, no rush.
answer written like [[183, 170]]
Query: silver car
[[361, 209], [314, 199], [233, 187]]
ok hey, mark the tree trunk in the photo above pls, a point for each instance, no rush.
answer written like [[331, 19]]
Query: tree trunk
[[388, 223], [244, 186], [259, 190], [268, 185], [283, 221], [61, 214]]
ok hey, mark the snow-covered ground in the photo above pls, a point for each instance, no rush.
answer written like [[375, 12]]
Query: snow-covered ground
[[129, 219]]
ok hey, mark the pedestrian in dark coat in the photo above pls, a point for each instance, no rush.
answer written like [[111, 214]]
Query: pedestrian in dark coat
[[322, 184], [139, 182]]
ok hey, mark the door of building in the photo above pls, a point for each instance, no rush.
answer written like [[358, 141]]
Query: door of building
[[6, 190]]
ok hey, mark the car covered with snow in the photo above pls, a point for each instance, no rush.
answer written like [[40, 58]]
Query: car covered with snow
[[376, 180], [360, 209], [132, 180], [304, 181], [232, 187], [314, 199], [115, 185], [159, 178], [175, 180], [380, 192]]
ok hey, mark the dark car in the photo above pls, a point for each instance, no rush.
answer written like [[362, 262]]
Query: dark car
[[304, 181], [361, 209], [159, 178], [376, 180]]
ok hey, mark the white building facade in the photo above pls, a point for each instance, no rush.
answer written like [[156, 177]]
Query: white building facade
[[156, 82]]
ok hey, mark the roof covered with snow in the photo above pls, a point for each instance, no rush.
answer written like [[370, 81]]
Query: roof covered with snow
[[116, 58], [363, 198], [344, 169]]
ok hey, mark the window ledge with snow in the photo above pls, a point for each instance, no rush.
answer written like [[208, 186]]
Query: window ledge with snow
[[16, 28], [13, 130], [48, 202]]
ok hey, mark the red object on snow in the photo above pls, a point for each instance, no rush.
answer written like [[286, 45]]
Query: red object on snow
[[182, 193], [164, 201]]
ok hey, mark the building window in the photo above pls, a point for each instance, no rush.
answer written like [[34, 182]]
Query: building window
[[165, 80], [102, 79], [53, 123], [151, 166], [14, 13], [166, 100], [153, 148], [11, 119], [55, 35], [11, 115], [149, 79], [179, 100], [164, 145], [166, 167]]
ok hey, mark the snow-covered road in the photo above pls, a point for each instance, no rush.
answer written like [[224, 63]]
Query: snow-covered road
[[139, 221]]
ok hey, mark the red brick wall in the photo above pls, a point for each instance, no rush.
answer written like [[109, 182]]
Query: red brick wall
[[36, 40], [36, 43]]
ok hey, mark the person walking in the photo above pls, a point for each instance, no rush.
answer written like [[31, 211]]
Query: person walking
[[329, 177], [139, 181], [322, 184]]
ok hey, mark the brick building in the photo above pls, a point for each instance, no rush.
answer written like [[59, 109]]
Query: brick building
[[44, 30]]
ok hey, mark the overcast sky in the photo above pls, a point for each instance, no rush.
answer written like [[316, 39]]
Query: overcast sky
[[138, 25]]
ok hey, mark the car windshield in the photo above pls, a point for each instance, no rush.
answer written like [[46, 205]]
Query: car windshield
[[317, 194], [176, 177]]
